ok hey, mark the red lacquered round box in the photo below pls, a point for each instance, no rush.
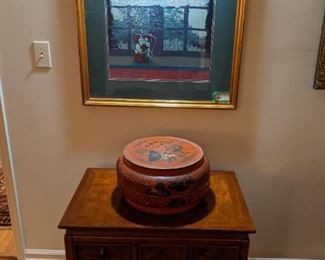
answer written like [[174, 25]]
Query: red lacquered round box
[[163, 174]]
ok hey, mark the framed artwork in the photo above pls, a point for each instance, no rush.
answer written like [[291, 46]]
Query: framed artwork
[[319, 82], [160, 53]]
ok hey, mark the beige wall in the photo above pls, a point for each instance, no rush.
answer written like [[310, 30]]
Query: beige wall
[[275, 140]]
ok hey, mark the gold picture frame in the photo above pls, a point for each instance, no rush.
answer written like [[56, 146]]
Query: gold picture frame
[[214, 103], [319, 82]]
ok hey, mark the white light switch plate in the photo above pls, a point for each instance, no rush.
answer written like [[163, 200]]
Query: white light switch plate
[[42, 54]]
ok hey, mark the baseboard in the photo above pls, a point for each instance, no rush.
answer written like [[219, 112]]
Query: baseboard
[[38, 254], [5, 227]]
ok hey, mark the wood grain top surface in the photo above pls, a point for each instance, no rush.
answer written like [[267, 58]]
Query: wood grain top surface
[[99, 204]]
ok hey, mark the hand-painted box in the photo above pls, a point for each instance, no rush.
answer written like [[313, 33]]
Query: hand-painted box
[[163, 175]]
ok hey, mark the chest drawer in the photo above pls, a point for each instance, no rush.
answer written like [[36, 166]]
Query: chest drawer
[[103, 252], [214, 253], [162, 252]]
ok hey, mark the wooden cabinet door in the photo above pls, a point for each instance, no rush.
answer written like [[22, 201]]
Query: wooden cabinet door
[[162, 252], [214, 253], [103, 252]]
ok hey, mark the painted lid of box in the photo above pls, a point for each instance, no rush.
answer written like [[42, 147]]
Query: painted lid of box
[[163, 152]]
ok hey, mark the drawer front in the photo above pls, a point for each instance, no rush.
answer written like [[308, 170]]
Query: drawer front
[[162, 252], [104, 252], [214, 253]]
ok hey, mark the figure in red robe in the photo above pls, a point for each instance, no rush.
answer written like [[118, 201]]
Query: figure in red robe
[[144, 45]]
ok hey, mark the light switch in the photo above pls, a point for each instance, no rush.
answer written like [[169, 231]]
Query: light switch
[[42, 54]]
